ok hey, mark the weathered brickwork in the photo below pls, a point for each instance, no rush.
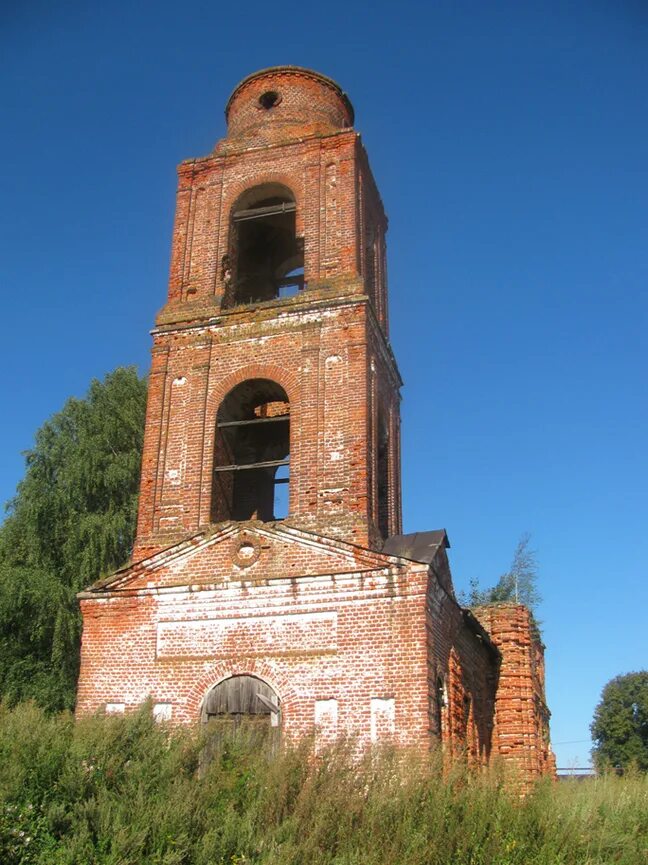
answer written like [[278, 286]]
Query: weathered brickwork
[[521, 728], [271, 356], [462, 669], [317, 620], [326, 346], [329, 361]]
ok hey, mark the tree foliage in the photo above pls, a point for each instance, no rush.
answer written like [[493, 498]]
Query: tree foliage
[[518, 584], [620, 726], [71, 521]]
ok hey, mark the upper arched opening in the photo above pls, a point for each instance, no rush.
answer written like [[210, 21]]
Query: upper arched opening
[[257, 195], [266, 258]]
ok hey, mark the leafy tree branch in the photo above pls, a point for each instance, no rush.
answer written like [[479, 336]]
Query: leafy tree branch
[[72, 520]]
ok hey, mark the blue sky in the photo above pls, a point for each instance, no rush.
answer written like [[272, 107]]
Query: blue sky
[[509, 141]]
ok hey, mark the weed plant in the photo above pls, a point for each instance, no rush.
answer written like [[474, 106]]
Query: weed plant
[[127, 791]]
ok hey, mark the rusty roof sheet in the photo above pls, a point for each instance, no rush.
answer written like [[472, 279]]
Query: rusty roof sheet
[[418, 546]]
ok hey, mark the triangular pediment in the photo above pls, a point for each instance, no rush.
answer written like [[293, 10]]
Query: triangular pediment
[[244, 552]]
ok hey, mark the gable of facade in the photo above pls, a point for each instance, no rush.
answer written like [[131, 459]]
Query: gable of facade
[[249, 552]]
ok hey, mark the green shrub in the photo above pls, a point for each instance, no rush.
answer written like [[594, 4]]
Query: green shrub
[[122, 790]]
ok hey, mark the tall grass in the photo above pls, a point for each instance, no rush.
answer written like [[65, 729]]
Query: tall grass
[[121, 790]]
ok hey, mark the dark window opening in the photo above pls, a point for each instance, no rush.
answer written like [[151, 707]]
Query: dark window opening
[[269, 99], [267, 257], [382, 473], [440, 704], [252, 454], [466, 708]]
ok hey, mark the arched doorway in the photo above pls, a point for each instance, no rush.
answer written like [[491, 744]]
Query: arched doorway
[[243, 704]]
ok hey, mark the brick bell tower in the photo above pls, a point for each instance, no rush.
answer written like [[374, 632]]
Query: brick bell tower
[[274, 393], [270, 581]]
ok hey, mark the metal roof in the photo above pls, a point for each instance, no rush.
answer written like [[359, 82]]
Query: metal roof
[[418, 546]]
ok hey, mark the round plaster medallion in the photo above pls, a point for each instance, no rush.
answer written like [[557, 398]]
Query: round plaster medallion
[[246, 550]]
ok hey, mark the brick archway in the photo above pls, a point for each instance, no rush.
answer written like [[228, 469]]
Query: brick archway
[[268, 372], [259, 668], [272, 372], [290, 180]]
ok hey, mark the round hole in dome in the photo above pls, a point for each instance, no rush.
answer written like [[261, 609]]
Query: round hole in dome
[[269, 99]]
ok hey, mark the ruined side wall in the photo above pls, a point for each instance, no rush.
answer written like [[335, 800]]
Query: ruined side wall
[[462, 673], [521, 714], [345, 652]]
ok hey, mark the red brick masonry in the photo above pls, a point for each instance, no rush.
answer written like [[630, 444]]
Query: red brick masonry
[[350, 639]]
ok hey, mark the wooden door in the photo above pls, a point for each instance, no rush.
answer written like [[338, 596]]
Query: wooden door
[[243, 705]]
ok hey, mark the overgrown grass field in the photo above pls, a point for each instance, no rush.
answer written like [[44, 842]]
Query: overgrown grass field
[[125, 790]]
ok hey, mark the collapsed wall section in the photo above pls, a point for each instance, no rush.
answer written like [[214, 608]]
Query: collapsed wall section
[[521, 731], [463, 665]]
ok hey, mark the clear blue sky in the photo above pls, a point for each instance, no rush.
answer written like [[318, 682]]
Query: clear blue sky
[[510, 143]]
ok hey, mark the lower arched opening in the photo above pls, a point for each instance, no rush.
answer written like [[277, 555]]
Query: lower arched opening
[[242, 707]]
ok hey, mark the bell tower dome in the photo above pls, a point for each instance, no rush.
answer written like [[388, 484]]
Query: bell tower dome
[[273, 391], [285, 103]]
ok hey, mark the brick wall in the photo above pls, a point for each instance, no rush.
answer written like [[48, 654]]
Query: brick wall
[[463, 666], [521, 733], [327, 363], [296, 616]]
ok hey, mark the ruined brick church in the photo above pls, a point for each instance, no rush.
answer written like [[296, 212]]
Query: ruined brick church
[[270, 578]]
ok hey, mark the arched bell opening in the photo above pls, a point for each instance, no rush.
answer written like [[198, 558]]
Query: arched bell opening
[[252, 453], [266, 258], [242, 705]]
